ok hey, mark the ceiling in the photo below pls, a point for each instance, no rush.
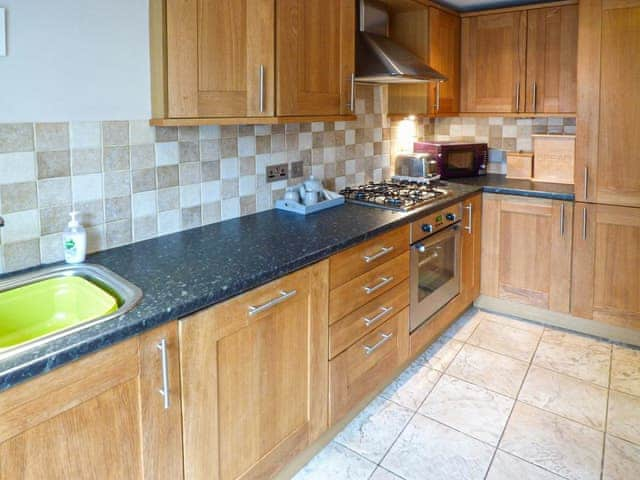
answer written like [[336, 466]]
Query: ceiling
[[473, 5]]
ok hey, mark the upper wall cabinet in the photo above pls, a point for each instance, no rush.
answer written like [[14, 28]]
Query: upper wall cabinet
[[444, 56], [214, 61], [607, 143], [520, 61]]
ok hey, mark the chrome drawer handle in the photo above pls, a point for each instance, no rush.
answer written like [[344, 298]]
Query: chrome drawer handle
[[164, 391], [384, 281], [383, 251], [383, 311], [384, 338], [253, 310]]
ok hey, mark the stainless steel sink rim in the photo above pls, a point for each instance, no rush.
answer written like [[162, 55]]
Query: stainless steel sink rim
[[127, 295]]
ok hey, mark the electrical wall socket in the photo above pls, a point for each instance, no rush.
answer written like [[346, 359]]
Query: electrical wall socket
[[296, 170], [278, 172]]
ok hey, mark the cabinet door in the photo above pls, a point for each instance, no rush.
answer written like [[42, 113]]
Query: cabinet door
[[607, 143], [493, 61], [471, 243], [99, 417], [606, 264], [444, 56], [315, 56], [255, 375], [526, 250], [220, 58], [552, 51]]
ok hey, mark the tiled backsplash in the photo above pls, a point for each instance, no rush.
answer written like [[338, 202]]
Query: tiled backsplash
[[133, 182]]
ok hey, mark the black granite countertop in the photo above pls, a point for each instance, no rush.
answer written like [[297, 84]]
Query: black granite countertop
[[494, 183], [188, 271]]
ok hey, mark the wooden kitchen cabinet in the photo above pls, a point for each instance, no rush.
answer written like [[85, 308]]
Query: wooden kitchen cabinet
[[315, 57], [220, 58], [255, 378], [493, 60], [526, 250], [101, 416], [607, 168], [471, 248], [606, 264], [552, 52]]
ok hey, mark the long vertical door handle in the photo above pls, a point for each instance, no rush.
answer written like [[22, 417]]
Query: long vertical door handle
[[352, 96], [437, 105], [562, 219], [586, 182], [469, 225], [517, 97], [261, 88], [164, 391], [584, 223], [533, 96]]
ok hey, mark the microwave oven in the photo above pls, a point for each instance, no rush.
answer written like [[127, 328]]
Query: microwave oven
[[456, 159]]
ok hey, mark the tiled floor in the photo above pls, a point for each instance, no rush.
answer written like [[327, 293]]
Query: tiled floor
[[501, 399]]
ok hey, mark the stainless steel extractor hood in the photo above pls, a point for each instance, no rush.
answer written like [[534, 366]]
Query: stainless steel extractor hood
[[379, 59]]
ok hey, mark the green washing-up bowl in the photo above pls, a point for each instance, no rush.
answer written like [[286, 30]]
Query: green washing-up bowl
[[48, 306]]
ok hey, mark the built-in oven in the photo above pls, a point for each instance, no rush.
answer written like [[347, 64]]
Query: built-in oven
[[435, 263]]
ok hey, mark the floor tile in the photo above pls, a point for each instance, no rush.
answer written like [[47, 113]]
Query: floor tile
[[508, 467], [429, 450], [621, 459], [412, 386], [492, 370], [624, 416], [382, 474], [500, 338], [465, 325], [578, 356], [336, 462], [562, 446], [513, 322], [373, 431], [567, 396], [625, 370], [468, 408], [440, 354]]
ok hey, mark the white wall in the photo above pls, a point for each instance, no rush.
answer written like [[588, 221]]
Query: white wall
[[75, 60]]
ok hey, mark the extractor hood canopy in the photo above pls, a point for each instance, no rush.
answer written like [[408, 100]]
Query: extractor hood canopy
[[379, 59]]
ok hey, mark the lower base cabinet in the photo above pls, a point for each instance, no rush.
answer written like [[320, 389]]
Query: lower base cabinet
[[606, 264], [100, 417], [255, 373]]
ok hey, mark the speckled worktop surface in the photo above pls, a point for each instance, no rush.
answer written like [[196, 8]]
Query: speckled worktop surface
[[187, 271], [494, 183]]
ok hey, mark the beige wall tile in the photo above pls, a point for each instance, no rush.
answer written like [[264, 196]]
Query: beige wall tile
[[23, 254], [54, 164], [16, 137], [18, 197], [115, 133], [52, 136]]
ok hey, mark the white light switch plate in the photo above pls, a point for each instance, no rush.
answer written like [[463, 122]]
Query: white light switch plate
[[3, 33]]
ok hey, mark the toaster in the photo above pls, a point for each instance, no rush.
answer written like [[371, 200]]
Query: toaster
[[416, 165]]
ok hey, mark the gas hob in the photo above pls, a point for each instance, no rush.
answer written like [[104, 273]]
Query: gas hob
[[395, 194]]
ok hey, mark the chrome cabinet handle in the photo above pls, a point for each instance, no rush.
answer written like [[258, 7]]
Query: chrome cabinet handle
[[384, 338], [517, 97], [562, 219], [469, 226], [384, 281], [253, 310], [586, 182], [383, 312], [584, 223], [261, 88], [437, 105], [533, 96], [352, 97], [383, 251], [164, 391]]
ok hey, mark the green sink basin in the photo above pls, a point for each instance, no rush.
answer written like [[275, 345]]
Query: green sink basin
[[48, 306]]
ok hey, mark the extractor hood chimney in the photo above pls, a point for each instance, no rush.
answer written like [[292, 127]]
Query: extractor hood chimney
[[379, 59]]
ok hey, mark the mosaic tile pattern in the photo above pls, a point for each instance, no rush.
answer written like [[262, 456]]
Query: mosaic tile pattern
[[133, 182], [475, 409]]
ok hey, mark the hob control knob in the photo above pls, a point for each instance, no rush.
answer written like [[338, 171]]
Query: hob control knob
[[451, 217], [427, 228]]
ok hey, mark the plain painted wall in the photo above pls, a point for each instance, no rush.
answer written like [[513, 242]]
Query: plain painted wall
[[75, 60]]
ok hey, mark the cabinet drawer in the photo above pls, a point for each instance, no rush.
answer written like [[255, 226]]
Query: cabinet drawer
[[349, 329], [367, 364], [368, 255], [364, 288]]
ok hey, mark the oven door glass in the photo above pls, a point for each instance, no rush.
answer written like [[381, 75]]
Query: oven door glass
[[435, 274]]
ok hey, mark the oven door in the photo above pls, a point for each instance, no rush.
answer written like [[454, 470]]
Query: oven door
[[435, 274]]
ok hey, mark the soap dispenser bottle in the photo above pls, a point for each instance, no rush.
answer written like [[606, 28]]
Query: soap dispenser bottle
[[74, 240]]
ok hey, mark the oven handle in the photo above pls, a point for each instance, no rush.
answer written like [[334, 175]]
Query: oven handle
[[425, 243]]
